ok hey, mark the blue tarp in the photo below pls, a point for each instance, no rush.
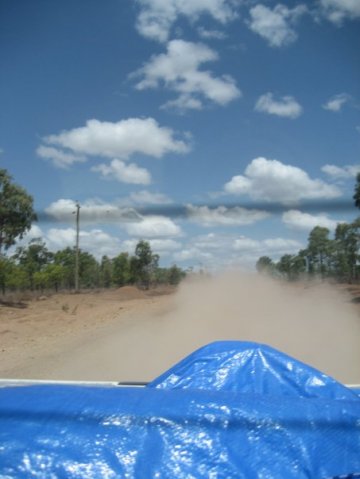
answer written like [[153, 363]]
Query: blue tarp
[[229, 410], [250, 368]]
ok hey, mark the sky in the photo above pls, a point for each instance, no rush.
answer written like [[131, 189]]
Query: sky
[[218, 130]]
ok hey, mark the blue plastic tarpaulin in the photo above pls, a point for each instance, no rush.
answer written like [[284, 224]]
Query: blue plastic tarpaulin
[[229, 410]]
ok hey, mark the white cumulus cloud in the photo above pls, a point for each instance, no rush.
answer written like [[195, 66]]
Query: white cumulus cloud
[[246, 244], [213, 241], [296, 219], [337, 11], [285, 106], [216, 251], [183, 103], [145, 197], [194, 254], [124, 173], [211, 34], [121, 139], [276, 25], [159, 246], [271, 180], [156, 17], [153, 226], [267, 246], [224, 216], [34, 232], [212, 249], [95, 241], [336, 102], [179, 70], [341, 172], [60, 158]]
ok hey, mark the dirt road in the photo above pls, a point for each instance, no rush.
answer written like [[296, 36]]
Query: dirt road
[[126, 334]]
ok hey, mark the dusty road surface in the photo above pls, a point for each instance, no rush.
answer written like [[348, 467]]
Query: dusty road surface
[[127, 334]]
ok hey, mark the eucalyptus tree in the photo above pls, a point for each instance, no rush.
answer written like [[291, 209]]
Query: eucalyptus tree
[[291, 266], [121, 269], [319, 250], [265, 265], [106, 270], [16, 211], [346, 251], [33, 259], [144, 264]]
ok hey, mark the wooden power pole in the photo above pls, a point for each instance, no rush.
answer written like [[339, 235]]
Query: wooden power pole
[[77, 247]]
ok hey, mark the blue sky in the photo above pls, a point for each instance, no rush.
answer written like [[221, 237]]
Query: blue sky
[[221, 107]]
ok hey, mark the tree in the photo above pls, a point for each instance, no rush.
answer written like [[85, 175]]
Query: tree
[[175, 275], [33, 258], [162, 276], [345, 255], [134, 270], [105, 272], [357, 191], [41, 280], [89, 270], [17, 278], [55, 275], [291, 266], [264, 265], [6, 267], [66, 259], [338, 258], [144, 264], [121, 269], [284, 265], [16, 211], [298, 266], [319, 250]]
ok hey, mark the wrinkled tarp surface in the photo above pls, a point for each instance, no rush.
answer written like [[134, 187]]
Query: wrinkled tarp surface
[[229, 410]]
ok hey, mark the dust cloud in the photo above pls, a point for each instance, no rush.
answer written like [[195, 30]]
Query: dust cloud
[[317, 324]]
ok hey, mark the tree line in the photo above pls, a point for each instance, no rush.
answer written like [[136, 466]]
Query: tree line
[[324, 257], [34, 267]]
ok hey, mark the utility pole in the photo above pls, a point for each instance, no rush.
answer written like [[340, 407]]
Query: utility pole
[[77, 247]]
